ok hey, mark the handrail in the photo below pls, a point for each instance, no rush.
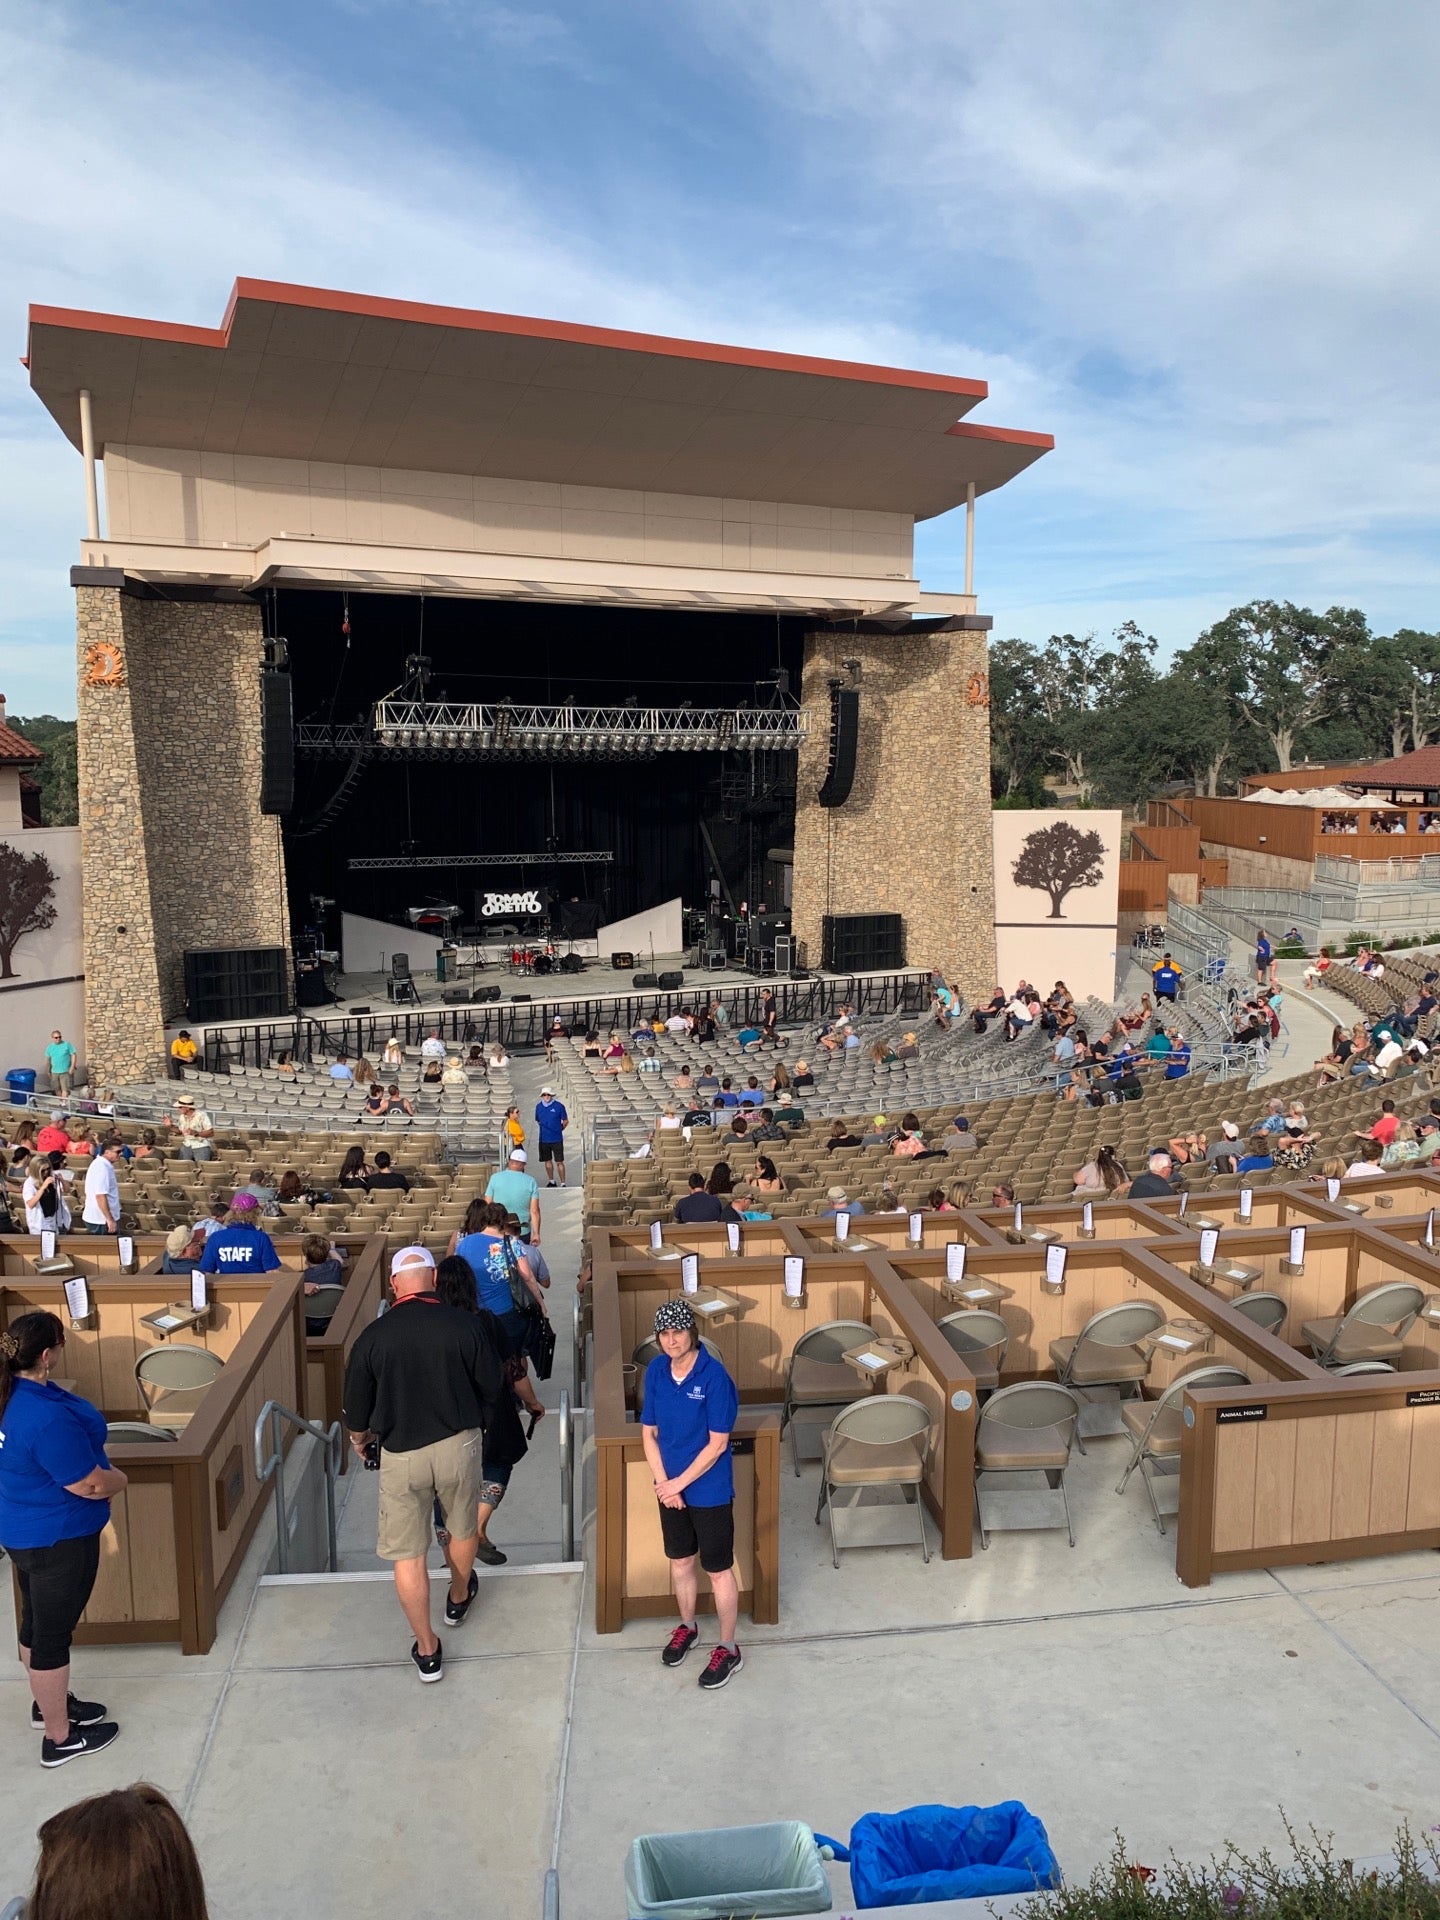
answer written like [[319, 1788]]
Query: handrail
[[273, 1412], [550, 1908], [567, 1478], [578, 1333]]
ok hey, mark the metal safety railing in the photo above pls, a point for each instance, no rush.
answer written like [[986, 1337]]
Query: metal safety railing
[[273, 1414], [567, 1477]]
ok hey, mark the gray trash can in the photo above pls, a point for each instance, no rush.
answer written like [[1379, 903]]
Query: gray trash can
[[727, 1873]]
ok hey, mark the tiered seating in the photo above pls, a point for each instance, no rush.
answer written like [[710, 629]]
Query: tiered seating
[[1034, 1142], [469, 1116]]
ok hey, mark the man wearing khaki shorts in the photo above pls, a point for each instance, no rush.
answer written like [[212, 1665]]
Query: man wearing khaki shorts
[[421, 1385]]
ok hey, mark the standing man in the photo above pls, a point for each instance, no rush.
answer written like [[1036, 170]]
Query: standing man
[[1264, 959], [422, 1384], [195, 1128], [690, 1407], [552, 1120], [513, 1189], [102, 1190], [60, 1060], [1165, 977]]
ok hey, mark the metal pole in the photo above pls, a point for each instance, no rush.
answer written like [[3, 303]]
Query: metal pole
[[87, 454], [331, 1459], [282, 1536], [567, 1479], [551, 1909], [970, 537]]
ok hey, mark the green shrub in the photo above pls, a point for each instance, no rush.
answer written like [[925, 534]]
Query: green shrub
[[1237, 1886], [1291, 953]]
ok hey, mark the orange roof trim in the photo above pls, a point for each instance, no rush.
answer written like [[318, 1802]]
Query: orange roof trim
[[474, 320]]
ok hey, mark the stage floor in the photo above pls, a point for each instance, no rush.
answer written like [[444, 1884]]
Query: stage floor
[[368, 989]]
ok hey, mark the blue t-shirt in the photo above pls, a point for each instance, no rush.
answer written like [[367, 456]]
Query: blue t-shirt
[[1262, 951], [484, 1254], [1179, 1061], [727, 1099], [752, 1097], [551, 1117], [1166, 979], [239, 1250], [48, 1440], [685, 1413]]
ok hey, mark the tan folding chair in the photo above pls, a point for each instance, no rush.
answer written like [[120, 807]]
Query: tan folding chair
[[1373, 1329], [1267, 1310], [172, 1380], [1106, 1351], [879, 1442], [982, 1340], [1027, 1428], [125, 1432], [321, 1304], [817, 1376], [649, 1350], [1155, 1427]]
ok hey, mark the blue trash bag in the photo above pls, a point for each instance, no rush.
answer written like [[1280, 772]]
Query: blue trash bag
[[946, 1853]]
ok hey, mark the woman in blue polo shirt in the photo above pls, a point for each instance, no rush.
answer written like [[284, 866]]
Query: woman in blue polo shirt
[[690, 1407], [55, 1491], [240, 1245]]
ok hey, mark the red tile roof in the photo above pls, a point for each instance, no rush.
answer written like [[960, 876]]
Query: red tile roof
[[1421, 768], [16, 750]]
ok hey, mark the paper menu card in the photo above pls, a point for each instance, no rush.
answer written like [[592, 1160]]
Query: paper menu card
[[1087, 1216], [690, 1273], [77, 1298], [1209, 1244], [917, 1229], [1055, 1266], [794, 1275], [732, 1234], [657, 1237], [1247, 1201], [955, 1260], [842, 1225], [1297, 1246]]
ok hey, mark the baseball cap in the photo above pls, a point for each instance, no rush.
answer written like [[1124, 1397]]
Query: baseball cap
[[176, 1241], [879, 1119], [1229, 1129], [518, 1153], [411, 1257]]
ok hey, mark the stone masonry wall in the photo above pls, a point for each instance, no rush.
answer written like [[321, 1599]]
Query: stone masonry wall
[[914, 836], [170, 781]]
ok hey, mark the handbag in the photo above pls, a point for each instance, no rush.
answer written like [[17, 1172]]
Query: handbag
[[521, 1297], [540, 1344]]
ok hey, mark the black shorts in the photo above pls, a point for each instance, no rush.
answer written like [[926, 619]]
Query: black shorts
[[708, 1531], [55, 1587], [552, 1150]]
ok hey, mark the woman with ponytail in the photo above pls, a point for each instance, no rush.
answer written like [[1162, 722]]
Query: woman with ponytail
[[55, 1491]]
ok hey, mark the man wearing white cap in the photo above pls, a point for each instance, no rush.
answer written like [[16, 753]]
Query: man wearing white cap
[[512, 1188], [422, 1383], [552, 1120]]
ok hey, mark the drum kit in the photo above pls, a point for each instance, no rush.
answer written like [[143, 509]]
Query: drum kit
[[533, 960]]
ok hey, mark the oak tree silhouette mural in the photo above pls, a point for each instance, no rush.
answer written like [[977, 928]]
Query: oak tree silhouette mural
[[27, 904], [1056, 860]]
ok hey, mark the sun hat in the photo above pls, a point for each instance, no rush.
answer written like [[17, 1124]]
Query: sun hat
[[836, 1193], [186, 1100], [549, 1090], [674, 1316], [411, 1257]]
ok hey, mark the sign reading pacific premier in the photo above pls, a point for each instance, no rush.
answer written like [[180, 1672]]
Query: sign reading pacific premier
[[510, 904]]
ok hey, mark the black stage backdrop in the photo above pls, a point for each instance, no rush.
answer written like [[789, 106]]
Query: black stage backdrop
[[647, 813]]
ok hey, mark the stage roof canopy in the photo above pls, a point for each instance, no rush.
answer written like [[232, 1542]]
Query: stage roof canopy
[[304, 374]]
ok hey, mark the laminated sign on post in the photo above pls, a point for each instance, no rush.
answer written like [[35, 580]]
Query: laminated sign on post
[[732, 1234], [1184, 1202], [690, 1273], [1247, 1200], [1429, 1235], [955, 1260], [1019, 1218], [917, 1229], [794, 1275], [1332, 1191], [199, 1299], [47, 1243], [77, 1299], [1209, 1246], [842, 1226], [127, 1251], [1055, 1269], [657, 1238], [1296, 1263], [1087, 1217]]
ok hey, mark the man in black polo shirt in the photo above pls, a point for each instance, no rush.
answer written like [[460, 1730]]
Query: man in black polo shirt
[[698, 1206], [422, 1383], [386, 1176]]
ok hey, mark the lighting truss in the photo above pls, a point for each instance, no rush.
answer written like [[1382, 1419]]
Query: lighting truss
[[429, 860], [511, 732]]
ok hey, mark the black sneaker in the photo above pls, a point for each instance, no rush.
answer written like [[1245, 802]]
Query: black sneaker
[[54, 1753], [678, 1645], [456, 1610], [429, 1666], [83, 1713], [492, 1556], [722, 1664]]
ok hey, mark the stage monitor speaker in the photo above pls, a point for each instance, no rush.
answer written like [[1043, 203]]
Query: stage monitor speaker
[[646, 980], [455, 997], [669, 981], [519, 997], [571, 963], [622, 962], [863, 942], [236, 983], [844, 739], [277, 741]]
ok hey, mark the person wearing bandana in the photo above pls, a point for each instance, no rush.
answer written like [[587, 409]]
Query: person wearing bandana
[[690, 1407]]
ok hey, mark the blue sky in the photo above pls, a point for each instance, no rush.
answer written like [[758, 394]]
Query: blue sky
[[1196, 243]]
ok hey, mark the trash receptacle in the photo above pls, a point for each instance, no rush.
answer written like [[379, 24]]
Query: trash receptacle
[[946, 1853], [727, 1871], [21, 1082], [442, 968]]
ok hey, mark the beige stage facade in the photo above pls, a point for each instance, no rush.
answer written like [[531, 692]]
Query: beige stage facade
[[328, 440]]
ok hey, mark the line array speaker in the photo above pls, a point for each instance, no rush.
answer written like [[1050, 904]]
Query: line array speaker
[[863, 942], [277, 741], [236, 983], [844, 738]]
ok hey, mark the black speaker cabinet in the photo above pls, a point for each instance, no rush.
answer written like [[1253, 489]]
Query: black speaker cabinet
[[669, 981], [844, 739], [863, 942], [236, 983], [277, 742], [622, 962], [646, 980]]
